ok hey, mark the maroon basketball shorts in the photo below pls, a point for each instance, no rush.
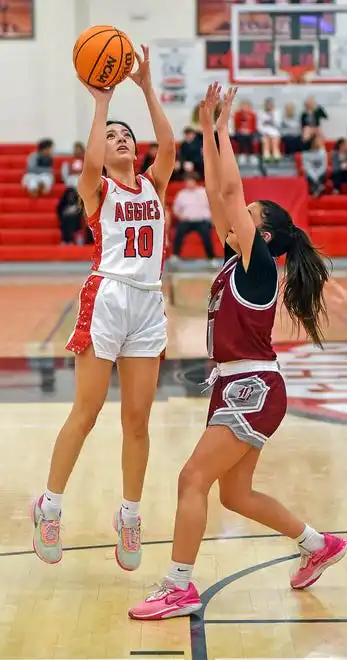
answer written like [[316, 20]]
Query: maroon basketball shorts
[[252, 405]]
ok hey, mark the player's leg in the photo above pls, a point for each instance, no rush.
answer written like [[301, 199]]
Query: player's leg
[[138, 368], [92, 381], [216, 453], [319, 551], [138, 381], [95, 340]]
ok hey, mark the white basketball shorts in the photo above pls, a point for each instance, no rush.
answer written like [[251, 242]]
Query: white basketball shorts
[[119, 320]]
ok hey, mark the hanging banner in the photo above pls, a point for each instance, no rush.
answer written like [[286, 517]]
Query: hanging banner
[[174, 65]]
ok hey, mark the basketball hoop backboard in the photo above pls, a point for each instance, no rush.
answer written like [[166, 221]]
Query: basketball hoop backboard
[[269, 40]]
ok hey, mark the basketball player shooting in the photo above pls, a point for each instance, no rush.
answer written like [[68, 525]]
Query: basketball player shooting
[[121, 315], [249, 400]]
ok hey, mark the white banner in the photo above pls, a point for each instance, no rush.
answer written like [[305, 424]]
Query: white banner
[[175, 64]]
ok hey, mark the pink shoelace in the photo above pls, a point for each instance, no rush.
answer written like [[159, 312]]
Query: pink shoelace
[[50, 531], [131, 538]]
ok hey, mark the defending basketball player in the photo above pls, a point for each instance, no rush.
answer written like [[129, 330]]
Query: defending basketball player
[[121, 315], [248, 401]]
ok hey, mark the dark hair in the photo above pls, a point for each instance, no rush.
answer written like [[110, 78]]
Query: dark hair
[[188, 129], [305, 270], [338, 144], [45, 144]]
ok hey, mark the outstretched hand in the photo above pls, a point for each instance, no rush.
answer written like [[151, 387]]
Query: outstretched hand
[[142, 77], [224, 117], [209, 104]]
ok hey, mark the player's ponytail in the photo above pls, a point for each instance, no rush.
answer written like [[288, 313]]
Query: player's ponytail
[[305, 269], [306, 274]]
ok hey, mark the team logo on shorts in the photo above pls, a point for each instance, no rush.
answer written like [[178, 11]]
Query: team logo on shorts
[[316, 380]]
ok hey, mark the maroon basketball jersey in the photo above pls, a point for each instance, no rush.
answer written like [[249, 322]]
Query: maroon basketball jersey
[[238, 329]]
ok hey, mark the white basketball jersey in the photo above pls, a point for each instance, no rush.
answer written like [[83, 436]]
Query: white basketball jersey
[[128, 230]]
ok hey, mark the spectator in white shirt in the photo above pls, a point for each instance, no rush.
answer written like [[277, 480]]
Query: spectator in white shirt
[[71, 170], [315, 164], [192, 210], [269, 122], [39, 176]]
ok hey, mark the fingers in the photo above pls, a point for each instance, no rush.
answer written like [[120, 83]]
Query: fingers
[[138, 58], [145, 50], [213, 94]]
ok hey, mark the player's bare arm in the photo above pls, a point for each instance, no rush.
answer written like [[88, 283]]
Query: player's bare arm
[[163, 166]]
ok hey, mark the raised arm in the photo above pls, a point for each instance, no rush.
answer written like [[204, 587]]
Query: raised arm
[[89, 183], [164, 163], [231, 184], [212, 163]]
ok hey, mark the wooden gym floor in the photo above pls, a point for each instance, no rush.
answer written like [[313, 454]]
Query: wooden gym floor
[[78, 609]]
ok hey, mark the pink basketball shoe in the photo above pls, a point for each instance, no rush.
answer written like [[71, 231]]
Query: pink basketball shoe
[[168, 601], [313, 564]]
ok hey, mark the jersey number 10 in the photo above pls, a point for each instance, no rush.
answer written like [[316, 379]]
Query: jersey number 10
[[140, 245]]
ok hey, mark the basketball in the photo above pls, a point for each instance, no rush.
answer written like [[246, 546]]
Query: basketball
[[103, 56]]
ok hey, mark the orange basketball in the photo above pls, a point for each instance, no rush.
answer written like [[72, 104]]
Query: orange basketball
[[103, 56]]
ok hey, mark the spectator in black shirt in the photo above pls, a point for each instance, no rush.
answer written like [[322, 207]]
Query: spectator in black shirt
[[339, 164], [70, 215], [149, 157], [190, 153], [311, 119]]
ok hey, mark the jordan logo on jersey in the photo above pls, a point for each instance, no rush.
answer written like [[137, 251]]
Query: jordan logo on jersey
[[130, 211]]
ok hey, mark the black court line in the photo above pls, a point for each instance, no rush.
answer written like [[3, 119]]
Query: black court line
[[109, 546], [263, 621], [163, 653], [62, 316], [197, 624]]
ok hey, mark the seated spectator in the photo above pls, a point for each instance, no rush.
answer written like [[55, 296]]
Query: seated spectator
[[71, 170], [339, 164], [70, 214], [311, 119], [245, 126], [291, 130], [192, 210], [39, 177], [149, 157], [315, 162], [269, 129], [191, 152]]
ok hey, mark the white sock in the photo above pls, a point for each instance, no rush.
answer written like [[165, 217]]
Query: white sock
[[130, 511], [180, 574], [310, 540], [51, 502]]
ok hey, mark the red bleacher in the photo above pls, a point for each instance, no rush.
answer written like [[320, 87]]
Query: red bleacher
[[29, 228]]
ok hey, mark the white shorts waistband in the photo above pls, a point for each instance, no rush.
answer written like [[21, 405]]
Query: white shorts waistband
[[223, 369], [145, 286]]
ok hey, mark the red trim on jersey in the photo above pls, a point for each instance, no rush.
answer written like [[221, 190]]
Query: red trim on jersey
[[96, 215], [81, 337], [149, 178], [135, 191], [95, 226]]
